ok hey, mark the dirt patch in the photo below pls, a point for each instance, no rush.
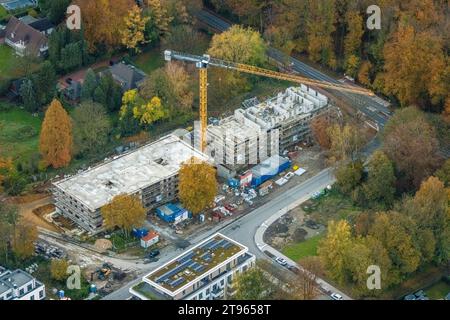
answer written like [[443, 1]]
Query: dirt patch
[[46, 209], [29, 198], [103, 245], [290, 229]]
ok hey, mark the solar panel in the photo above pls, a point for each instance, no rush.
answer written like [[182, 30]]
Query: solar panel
[[208, 244], [186, 257], [217, 244], [174, 271], [227, 245], [177, 282], [198, 268]]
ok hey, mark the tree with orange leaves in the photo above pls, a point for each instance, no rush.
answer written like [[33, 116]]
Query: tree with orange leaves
[[56, 136], [103, 21]]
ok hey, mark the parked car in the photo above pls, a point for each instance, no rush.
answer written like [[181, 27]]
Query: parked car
[[294, 269], [281, 261], [336, 296], [153, 253], [230, 208]]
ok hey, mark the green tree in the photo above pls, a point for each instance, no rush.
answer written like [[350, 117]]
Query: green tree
[[349, 176], [44, 83], [380, 182], [252, 285], [393, 231], [444, 173], [28, 96], [91, 127], [89, 85]]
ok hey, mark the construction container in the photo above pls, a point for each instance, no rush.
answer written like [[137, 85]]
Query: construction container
[[173, 213], [139, 233], [269, 168]]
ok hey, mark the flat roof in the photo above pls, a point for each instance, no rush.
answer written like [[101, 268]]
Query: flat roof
[[129, 173], [177, 274]]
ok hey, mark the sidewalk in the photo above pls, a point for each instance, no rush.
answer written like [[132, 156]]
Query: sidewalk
[[259, 240]]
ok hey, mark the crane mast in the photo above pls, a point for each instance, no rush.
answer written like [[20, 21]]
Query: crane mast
[[203, 62]]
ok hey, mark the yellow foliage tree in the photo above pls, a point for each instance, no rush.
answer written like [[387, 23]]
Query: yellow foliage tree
[[133, 34], [124, 212], [332, 248], [6, 168], [198, 185], [58, 269], [56, 140], [23, 242], [103, 21], [145, 113]]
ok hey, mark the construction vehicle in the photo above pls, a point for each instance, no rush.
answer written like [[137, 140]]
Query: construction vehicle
[[102, 273], [206, 61]]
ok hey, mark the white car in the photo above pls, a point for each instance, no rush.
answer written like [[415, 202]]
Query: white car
[[281, 261], [336, 296]]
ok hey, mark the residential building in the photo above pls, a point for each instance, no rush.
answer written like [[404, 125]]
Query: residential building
[[127, 76], [205, 272], [43, 26], [24, 39], [150, 173], [261, 130], [20, 285]]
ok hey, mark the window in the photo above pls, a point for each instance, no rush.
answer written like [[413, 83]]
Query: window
[[30, 286], [41, 294], [32, 298], [200, 296], [21, 292]]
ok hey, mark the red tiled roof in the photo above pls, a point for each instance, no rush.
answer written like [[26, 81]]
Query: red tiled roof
[[151, 235]]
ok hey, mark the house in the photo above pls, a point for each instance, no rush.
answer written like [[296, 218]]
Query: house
[[150, 239], [24, 39], [73, 91], [20, 285], [127, 76], [44, 26]]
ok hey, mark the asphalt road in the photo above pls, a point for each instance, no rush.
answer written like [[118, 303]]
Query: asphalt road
[[243, 229], [370, 106]]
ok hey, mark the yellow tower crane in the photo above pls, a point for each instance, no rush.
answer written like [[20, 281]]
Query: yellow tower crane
[[205, 61]]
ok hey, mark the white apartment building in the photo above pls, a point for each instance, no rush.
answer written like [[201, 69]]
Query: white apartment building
[[20, 285], [205, 272]]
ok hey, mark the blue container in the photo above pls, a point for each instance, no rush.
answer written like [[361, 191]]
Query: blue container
[[61, 294], [268, 169], [171, 213], [139, 233], [93, 288], [233, 183]]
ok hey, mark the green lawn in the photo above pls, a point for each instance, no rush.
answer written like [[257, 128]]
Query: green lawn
[[333, 206], [303, 249], [438, 290], [149, 61], [19, 133], [8, 61]]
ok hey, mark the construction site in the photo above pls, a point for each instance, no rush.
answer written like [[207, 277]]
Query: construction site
[[259, 131]]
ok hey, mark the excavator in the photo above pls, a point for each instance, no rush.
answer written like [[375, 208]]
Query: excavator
[[206, 61]]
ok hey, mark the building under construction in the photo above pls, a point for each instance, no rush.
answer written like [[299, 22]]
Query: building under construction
[[150, 173], [259, 131]]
